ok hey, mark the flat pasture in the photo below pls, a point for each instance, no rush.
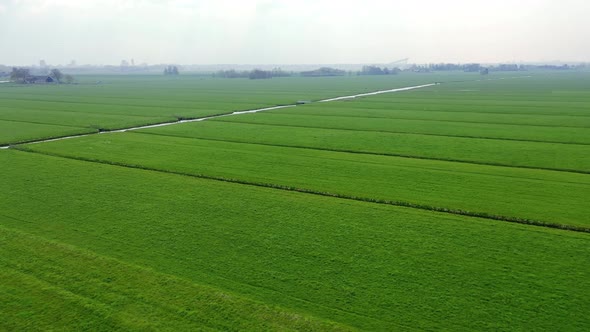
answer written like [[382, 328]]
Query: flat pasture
[[368, 266], [50, 284], [555, 156], [365, 110], [461, 206], [548, 196], [119, 101], [515, 132], [16, 132]]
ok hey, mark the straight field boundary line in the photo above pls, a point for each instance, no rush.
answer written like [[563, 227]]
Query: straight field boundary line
[[380, 154], [112, 104], [475, 214], [185, 120], [403, 132], [41, 123], [105, 131], [360, 110], [432, 102], [81, 113], [44, 123], [474, 112]]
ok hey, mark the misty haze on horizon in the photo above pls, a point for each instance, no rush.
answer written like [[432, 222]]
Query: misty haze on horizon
[[292, 32]]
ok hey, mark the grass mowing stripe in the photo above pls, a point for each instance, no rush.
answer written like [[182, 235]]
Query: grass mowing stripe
[[19, 288], [239, 119], [529, 194], [105, 294], [454, 110], [17, 132], [107, 131], [360, 114], [493, 101], [242, 106], [67, 112], [482, 215], [100, 123], [241, 287], [408, 267], [394, 114], [111, 111], [36, 122], [430, 104], [287, 145]]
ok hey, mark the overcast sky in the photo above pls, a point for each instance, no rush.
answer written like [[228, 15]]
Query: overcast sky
[[292, 32]]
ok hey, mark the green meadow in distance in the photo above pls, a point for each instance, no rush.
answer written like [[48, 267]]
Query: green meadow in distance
[[114, 102]]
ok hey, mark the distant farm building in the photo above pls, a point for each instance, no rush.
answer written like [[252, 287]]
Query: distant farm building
[[40, 79]]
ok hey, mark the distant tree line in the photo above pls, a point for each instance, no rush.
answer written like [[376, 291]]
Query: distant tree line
[[323, 71], [374, 70], [277, 72], [171, 70], [476, 67], [252, 74], [232, 73], [553, 67], [24, 76], [20, 75], [258, 74]]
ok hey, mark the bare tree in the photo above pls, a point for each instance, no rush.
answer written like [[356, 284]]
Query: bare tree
[[69, 79], [20, 75], [171, 70], [56, 75]]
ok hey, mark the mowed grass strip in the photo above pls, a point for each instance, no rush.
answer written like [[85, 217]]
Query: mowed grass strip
[[87, 120], [51, 286], [393, 111], [143, 107], [426, 127], [554, 94], [548, 196], [492, 103], [371, 266], [471, 150], [12, 132]]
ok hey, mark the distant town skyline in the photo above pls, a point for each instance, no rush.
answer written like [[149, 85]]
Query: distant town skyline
[[287, 32]]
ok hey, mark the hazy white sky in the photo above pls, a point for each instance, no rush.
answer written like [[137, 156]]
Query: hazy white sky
[[292, 32]]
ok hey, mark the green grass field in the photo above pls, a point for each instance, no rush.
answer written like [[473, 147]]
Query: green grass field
[[431, 209], [556, 156], [551, 134], [551, 197], [126, 101], [370, 266]]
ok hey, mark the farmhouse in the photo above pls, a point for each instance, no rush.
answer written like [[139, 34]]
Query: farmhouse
[[40, 79]]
